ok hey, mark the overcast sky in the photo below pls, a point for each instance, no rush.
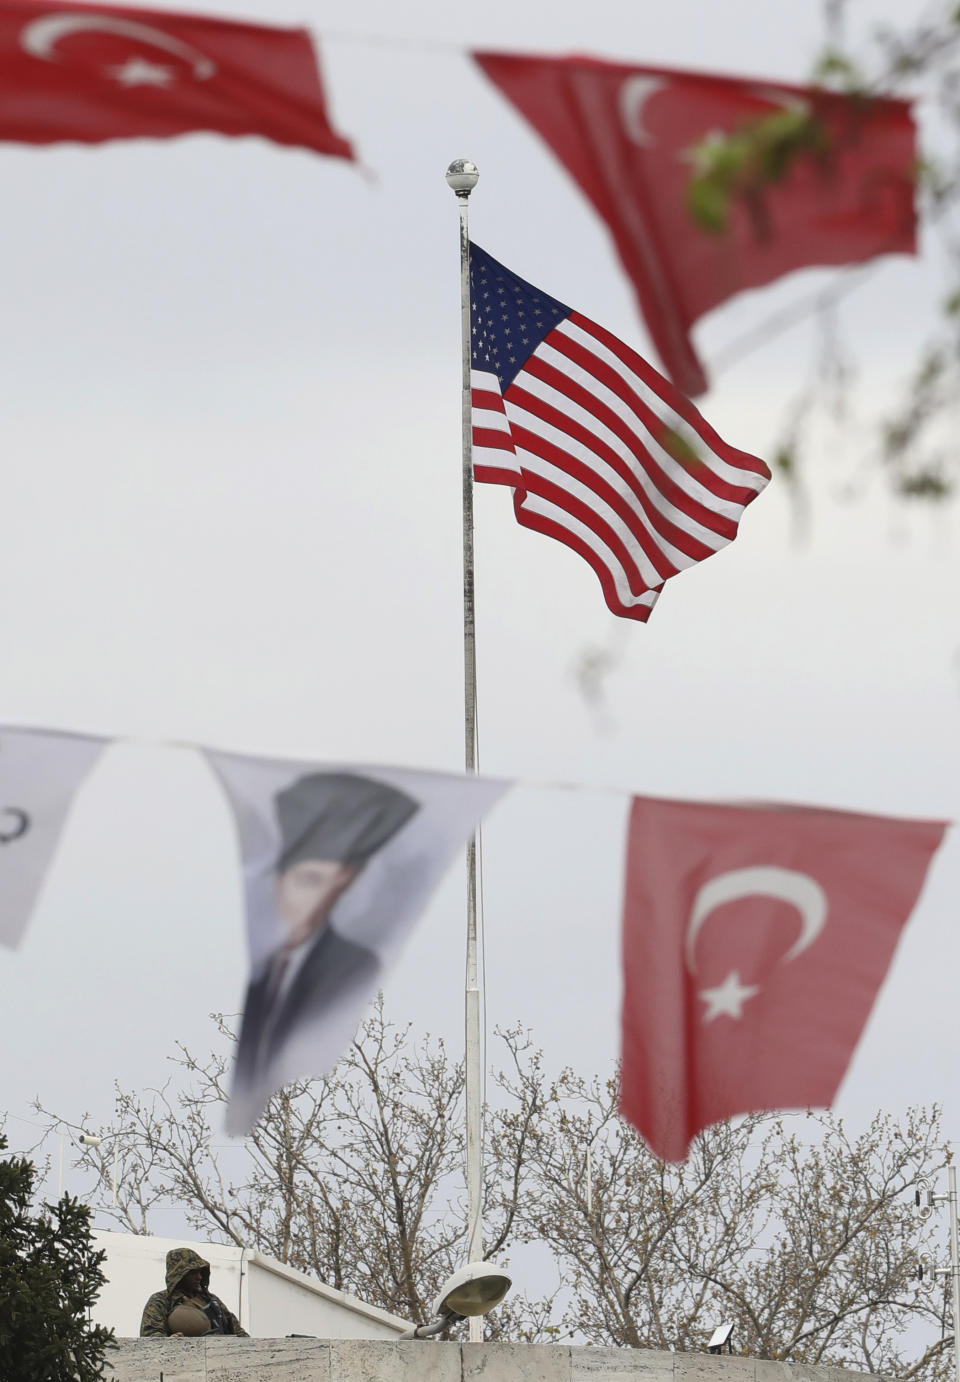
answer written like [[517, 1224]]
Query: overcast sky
[[231, 515]]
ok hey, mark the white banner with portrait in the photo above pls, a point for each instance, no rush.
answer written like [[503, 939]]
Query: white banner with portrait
[[339, 862], [40, 773]]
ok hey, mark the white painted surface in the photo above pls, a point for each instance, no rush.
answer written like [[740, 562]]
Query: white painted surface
[[270, 1299]]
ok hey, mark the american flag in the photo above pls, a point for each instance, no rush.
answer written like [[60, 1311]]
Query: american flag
[[600, 450]]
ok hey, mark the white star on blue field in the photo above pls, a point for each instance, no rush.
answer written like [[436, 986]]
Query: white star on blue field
[[508, 318]]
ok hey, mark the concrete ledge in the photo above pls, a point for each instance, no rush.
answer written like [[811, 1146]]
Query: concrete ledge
[[621, 1365], [364, 1360], [219, 1360]]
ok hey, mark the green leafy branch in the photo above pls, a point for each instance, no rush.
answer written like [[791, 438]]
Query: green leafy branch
[[740, 166]]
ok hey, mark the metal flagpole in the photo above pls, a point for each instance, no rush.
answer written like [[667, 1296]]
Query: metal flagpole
[[462, 178]]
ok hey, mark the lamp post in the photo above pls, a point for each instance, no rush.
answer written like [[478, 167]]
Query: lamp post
[[86, 1139], [953, 1271], [90, 1139], [951, 1200]]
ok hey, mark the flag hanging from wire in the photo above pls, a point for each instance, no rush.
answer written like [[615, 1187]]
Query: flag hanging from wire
[[88, 73], [755, 940], [41, 771], [339, 862], [602, 452]]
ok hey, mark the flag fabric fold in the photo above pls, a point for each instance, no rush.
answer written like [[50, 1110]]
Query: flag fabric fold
[[636, 140], [93, 72], [339, 862], [755, 940], [600, 450], [41, 772]]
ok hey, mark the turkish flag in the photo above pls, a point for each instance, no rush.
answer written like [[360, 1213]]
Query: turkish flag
[[92, 72], [629, 136], [755, 939]]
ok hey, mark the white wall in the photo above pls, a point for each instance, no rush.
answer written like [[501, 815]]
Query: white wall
[[135, 1267], [270, 1299], [283, 1301]]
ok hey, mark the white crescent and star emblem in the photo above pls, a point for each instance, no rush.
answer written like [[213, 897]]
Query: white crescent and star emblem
[[634, 95], [41, 37], [637, 90], [768, 880]]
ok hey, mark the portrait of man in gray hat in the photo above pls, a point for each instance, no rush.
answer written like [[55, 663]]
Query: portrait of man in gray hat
[[330, 825]]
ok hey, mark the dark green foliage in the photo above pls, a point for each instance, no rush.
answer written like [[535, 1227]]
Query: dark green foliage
[[840, 71], [784, 462], [924, 484], [49, 1278]]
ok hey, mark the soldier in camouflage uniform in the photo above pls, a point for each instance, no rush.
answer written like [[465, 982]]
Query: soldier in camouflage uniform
[[188, 1280]]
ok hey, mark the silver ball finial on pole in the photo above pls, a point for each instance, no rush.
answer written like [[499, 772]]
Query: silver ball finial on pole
[[462, 176]]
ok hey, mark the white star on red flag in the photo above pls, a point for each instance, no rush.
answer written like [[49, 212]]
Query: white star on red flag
[[728, 998]]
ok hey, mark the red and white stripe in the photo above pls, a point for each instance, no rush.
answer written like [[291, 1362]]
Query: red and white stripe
[[579, 438]]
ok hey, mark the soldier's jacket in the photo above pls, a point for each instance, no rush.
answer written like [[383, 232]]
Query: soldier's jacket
[[180, 1261]]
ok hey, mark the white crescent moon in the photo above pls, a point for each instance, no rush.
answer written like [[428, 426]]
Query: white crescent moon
[[804, 892], [634, 94], [41, 37]]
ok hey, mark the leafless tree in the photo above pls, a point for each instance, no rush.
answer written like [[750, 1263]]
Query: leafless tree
[[357, 1177], [803, 1236]]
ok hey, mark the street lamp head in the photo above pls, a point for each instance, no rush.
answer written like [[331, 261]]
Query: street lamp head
[[473, 1290], [89, 1139]]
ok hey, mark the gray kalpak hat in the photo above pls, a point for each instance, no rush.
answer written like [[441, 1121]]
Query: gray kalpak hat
[[338, 816]]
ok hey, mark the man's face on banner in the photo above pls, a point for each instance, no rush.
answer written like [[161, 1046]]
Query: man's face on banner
[[331, 824], [306, 893]]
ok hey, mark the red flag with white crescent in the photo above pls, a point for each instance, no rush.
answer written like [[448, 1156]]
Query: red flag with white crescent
[[636, 138], [93, 72], [755, 939]]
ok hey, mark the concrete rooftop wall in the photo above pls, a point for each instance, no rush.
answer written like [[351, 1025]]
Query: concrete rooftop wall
[[322, 1360]]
